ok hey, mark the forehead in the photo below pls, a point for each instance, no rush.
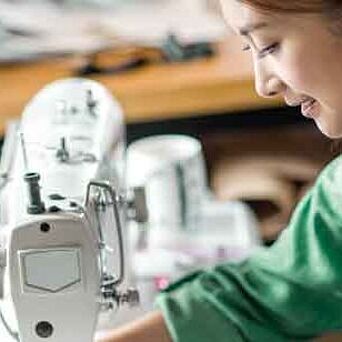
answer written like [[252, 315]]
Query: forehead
[[239, 15]]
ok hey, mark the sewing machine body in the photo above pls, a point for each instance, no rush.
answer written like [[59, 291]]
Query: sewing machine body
[[54, 278], [62, 264]]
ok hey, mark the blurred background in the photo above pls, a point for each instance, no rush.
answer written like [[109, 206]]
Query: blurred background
[[83, 26]]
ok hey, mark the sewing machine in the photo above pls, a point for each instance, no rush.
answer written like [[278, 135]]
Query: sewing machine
[[64, 207]]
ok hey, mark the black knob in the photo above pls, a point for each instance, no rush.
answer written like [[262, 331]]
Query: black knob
[[44, 329]]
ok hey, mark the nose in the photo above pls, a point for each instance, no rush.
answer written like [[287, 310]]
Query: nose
[[267, 84]]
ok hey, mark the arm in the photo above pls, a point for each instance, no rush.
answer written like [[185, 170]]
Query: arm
[[290, 291], [150, 328]]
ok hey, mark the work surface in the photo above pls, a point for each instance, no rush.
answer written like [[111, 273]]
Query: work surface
[[221, 84], [4, 337]]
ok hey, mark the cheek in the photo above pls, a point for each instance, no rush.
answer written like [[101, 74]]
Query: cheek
[[298, 73]]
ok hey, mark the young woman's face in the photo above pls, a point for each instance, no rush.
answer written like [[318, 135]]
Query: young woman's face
[[296, 57]]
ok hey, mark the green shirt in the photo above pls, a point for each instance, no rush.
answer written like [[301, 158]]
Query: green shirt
[[291, 291]]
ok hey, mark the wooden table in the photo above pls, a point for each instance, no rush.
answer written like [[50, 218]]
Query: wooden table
[[221, 84]]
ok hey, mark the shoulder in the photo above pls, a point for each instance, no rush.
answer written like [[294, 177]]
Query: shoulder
[[333, 171], [327, 192], [330, 178]]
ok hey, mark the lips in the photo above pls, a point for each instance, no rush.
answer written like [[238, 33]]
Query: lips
[[309, 108]]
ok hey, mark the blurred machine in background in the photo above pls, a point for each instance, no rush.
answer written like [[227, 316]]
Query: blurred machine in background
[[187, 228]]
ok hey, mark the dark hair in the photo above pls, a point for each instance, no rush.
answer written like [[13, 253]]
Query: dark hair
[[332, 9], [295, 6]]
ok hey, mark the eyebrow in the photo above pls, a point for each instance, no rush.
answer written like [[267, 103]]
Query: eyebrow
[[246, 30]]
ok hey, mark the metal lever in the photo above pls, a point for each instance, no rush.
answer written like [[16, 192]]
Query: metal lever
[[106, 186], [3, 262]]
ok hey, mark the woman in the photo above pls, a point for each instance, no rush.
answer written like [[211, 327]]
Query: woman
[[293, 290]]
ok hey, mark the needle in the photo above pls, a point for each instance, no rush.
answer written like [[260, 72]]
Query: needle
[[23, 148]]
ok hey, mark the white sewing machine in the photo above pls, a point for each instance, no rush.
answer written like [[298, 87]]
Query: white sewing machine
[[63, 209]]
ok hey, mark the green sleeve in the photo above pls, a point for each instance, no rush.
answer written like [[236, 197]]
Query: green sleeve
[[291, 291]]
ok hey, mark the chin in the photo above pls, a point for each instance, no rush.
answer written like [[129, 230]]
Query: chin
[[329, 130]]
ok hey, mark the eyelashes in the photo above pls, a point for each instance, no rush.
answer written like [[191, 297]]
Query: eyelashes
[[268, 50], [246, 47]]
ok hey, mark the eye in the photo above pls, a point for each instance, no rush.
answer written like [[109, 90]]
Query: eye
[[268, 50], [246, 47]]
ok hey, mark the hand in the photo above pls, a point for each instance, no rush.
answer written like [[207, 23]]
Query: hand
[[149, 328]]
